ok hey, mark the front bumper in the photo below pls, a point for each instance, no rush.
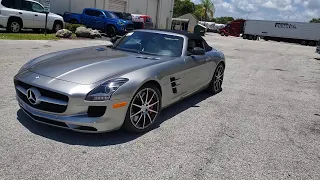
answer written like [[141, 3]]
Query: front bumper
[[110, 121], [73, 113]]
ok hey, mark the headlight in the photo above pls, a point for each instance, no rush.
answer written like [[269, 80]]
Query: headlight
[[104, 91], [121, 22]]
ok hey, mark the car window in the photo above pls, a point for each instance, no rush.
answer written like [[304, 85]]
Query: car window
[[151, 43], [37, 7], [89, 12], [8, 3], [98, 13], [192, 43], [26, 5]]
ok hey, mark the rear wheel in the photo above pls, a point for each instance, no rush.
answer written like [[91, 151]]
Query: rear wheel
[[250, 37], [14, 26], [222, 34], [244, 36], [215, 85], [143, 110]]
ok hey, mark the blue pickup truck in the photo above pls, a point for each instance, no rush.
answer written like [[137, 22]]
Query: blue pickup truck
[[100, 19]]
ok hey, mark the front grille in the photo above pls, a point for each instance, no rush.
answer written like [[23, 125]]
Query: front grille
[[130, 27], [43, 105]]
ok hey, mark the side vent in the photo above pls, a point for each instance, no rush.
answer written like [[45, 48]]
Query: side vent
[[174, 84]]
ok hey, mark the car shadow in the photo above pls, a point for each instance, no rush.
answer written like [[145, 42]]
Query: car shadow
[[104, 139]]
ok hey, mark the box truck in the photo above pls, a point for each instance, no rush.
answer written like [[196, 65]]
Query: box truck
[[295, 32]]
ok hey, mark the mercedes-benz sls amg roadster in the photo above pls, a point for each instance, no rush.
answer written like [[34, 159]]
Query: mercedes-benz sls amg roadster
[[122, 85]]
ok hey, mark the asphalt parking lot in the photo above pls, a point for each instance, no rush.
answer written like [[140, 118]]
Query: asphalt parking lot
[[265, 124]]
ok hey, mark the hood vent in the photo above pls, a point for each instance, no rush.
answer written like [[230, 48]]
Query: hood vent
[[148, 57]]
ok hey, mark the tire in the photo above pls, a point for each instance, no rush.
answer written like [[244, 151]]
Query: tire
[[222, 34], [144, 121], [244, 36], [14, 26], [215, 86], [255, 38], [111, 31], [250, 37], [57, 26]]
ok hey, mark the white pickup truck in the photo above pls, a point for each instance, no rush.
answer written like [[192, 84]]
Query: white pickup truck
[[27, 14]]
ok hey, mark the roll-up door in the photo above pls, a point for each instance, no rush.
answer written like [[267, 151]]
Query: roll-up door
[[117, 5]]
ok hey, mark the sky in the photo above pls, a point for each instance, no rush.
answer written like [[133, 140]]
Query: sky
[[289, 10]]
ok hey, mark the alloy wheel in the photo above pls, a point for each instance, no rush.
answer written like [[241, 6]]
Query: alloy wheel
[[218, 78], [58, 27], [144, 108], [15, 27]]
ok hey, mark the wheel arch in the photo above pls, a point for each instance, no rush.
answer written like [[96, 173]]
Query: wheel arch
[[11, 18]]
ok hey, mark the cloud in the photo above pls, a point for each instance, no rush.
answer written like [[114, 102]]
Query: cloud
[[293, 10]]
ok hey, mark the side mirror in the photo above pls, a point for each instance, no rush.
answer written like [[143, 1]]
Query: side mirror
[[115, 39], [198, 51]]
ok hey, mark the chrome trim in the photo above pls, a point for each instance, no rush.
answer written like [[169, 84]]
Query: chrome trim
[[22, 90], [43, 98]]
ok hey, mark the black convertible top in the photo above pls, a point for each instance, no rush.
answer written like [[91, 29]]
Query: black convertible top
[[189, 35]]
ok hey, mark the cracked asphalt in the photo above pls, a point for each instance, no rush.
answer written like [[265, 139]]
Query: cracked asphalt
[[265, 124]]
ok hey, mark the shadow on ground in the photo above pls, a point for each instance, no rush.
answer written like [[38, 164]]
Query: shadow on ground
[[104, 139]]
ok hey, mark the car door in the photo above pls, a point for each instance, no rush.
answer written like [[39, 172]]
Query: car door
[[26, 14], [197, 69], [99, 20], [39, 18], [88, 18]]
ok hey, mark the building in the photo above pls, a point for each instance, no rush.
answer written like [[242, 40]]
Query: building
[[161, 11]]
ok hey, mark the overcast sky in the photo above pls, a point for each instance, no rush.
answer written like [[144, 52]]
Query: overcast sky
[[291, 10]]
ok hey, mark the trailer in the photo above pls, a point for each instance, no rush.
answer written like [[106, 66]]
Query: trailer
[[294, 32]]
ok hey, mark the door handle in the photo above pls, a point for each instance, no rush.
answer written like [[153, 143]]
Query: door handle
[[36, 15], [208, 59], [20, 12]]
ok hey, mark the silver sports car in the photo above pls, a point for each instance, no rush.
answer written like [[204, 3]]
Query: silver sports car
[[126, 84]]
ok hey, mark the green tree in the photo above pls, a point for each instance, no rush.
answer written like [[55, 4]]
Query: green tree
[[206, 9], [224, 20], [182, 7], [315, 20]]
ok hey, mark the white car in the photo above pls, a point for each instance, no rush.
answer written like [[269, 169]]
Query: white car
[[27, 14]]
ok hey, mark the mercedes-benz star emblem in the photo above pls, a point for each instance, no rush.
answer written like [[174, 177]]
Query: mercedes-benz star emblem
[[33, 96]]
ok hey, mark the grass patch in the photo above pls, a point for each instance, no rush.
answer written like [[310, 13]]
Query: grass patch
[[27, 36]]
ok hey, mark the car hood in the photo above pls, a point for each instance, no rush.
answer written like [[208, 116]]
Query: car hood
[[90, 65], [55, 15]]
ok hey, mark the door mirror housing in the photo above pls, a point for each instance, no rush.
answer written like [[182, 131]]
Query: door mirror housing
[[198, 51]]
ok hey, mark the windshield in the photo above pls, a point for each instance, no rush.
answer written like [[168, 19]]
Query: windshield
[[110, 15], [151, 43]]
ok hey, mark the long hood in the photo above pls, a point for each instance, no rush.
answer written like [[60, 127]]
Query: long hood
[[89, 65]]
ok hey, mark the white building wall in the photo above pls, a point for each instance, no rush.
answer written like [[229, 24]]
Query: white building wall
[[149, 7]]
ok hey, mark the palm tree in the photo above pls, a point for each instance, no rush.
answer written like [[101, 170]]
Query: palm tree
[[207, 9]]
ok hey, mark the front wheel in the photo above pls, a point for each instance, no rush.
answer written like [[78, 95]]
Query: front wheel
[[111, 31], [57, 26], [215, 85], [143, 110]]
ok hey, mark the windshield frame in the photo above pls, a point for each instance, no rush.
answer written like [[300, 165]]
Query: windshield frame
[[182, 51]]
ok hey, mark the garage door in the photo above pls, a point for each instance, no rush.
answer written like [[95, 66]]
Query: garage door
[[117, 5]]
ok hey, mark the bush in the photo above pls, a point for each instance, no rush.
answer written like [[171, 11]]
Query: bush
[[73, 27]]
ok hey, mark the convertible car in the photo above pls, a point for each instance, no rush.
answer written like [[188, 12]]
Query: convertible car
[[125, 84]]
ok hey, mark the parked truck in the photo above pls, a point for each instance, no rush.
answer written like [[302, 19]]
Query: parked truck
[[103, 20], [233, 28], [296, 32]]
